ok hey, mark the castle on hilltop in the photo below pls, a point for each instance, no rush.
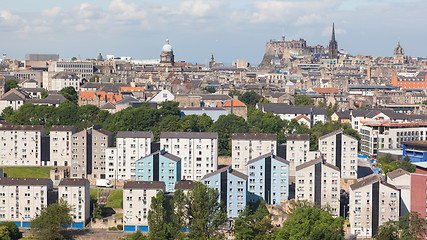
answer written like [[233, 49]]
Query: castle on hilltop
[[281, 51]]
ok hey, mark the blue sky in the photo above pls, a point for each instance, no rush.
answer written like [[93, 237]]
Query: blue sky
[[197, 28]]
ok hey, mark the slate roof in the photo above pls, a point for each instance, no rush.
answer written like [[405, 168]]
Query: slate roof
[[231, 171], [5, 181], [134, 134], [268, 155], [253, 136], [73, 182], [184, 185], [144, 185], [202, 135], [283, 108], [62, 128], [315, 161], [298, 137], [397, 173]]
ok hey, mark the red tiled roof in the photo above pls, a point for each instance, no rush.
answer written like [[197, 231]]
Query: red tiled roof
[[236, 103]]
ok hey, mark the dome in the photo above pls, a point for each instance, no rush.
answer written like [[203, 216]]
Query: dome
[[167, 47]]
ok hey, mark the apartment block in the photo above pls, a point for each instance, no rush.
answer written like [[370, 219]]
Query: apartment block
[[21, 145], [159, 166], [81, 154], [298, 151], [60, 145], [77, 193], [83, 69], [376, 135], [232, 188], [247, 146], [268, 179], [372, 203], [319, 182], [418, 194], [340, 150], [22, 199], [130, 146], [136, 203], [101, 140], [401, 179], [198, 152]]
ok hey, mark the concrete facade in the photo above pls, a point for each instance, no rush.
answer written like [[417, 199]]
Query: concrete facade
[[268, 179], [198, 152], [77, 193], [101, 140], [247, 146], [60, 145]]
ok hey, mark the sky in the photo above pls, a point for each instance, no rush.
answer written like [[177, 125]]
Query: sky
[[233, 29]]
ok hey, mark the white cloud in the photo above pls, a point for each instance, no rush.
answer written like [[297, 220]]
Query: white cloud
[[6, 16], [197, 8], [56, 11], [328, 31]]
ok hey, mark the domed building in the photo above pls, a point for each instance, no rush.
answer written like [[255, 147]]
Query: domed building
[[167, 57], [399, 54]]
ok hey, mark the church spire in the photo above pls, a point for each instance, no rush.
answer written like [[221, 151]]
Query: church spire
[[333, 32]]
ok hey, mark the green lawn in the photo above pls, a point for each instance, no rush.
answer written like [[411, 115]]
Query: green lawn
[[27, 172], [94, 193], [115, 200]]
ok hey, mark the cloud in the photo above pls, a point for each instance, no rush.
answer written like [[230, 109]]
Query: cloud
[[328, 31], [197, 8], [56, 11], [6, 16]]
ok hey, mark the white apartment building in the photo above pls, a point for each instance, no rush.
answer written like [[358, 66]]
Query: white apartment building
[[376, 135], [101, 140], [22, 199], [60, 145], [130, 147], [136, 203], [21, 145], [247, 146], [77, 193], [319, 182], [401, 179], [83, 69], [340, 150], [198, 152], [63, 79], [81, 154], [372, 203], [298, 151]]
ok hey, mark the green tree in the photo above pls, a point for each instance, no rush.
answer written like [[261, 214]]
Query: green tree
[[304, 100], [70, 94], [66, 113], [205, 213], [12, 231], [4, 233], [52, 222], [234, 92], [388, 231], [44, 94], [253, 222], [412, 226], [73, 59], [157, 221], [169, 108], [209, 89], [178, 220], [250, 98], [406, 164], [10, 84], [135, 236], [7, 113], [225, 126], [311, 223]]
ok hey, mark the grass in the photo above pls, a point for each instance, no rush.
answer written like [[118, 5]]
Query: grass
[[27, 172], [115, 200], [118, 215], [94, 193]]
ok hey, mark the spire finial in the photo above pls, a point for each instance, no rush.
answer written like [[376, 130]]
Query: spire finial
[[333, 31], [167, 40]]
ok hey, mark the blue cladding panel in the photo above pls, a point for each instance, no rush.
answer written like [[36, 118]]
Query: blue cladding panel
[[25, 224], [143, 228], [129, 228]]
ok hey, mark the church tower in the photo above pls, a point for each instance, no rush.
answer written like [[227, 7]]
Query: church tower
[[212, 62], [333, 45], [166, 56], [399, 54]]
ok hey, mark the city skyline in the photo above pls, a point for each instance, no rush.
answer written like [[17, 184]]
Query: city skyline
[[198, 28]]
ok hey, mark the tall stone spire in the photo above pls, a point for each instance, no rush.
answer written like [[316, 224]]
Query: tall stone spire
[[333, 45]]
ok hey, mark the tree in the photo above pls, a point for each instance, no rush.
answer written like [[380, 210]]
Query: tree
[[250, 98], [253, 222], [70, 94], [10, 84], [209, 89], [53, 220], [406, 164], [304, 100], [388, 231], [234, 92], [9, 230], [7, 112], [157, 221], [178, 220], [73, 59], [225, 126], [205, 213], [135, 236], [311, 223], [412, 226], [44, 94]]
